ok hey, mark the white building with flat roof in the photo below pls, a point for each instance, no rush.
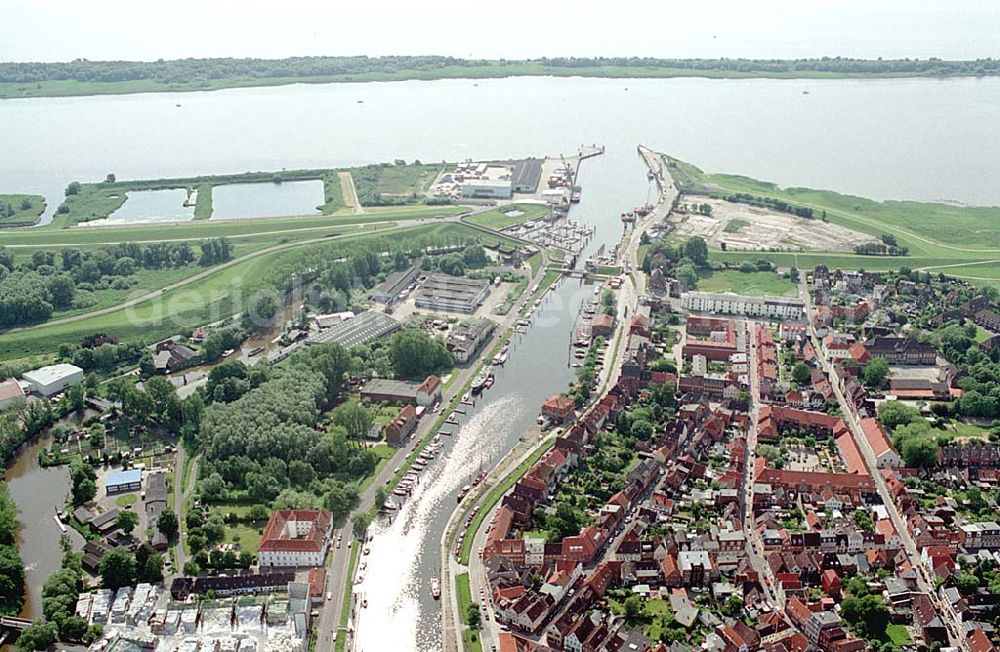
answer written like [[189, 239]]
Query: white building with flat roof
[[735, 304], [488, 188], [53, 379]]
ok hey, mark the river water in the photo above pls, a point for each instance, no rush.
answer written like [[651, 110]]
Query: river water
[[914, 139]]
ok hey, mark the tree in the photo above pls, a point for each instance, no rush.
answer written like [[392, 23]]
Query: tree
[[84, 485], [875, 373], [257, 513], [127, 520], [73, 628], [472, 617], [415, 355], [966, 583], [167, 524], [360, 523], [62, 290], [354, 418], [867, 614], [697, 250], [118, 569], [152, 570], [641, 429], [38, 635], [633, 607], [73, 188], [920, 451], [801, 373], [893, 414]]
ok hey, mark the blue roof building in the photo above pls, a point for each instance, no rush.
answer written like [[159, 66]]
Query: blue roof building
[[123, 481]]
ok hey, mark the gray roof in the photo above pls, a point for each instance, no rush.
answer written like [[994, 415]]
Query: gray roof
[[365, 327]]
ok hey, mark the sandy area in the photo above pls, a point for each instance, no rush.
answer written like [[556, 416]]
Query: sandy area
[[765, 229]]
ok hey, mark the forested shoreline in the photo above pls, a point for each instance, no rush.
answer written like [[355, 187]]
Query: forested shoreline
[[82, 77]]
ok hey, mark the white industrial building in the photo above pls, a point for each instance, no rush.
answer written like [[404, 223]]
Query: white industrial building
[[487, 188], [53, 379], [735, 304]]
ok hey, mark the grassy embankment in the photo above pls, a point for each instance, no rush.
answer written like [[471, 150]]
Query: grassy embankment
[[25, 209], [501, 218], [470, 636], [480, 69], [968, 248], [219, 294]]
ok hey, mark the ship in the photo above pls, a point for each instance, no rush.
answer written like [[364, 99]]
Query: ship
[[628, 217], [479, 382], [435, 588], [574, 197]]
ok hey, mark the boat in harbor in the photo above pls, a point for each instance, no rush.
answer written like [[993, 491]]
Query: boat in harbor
[[435, 588], [479, 382], [500, 359], [463, 492], [575, 195]]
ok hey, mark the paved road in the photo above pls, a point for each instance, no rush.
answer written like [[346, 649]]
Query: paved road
[[180, 499], [350, 192], [925, 582]]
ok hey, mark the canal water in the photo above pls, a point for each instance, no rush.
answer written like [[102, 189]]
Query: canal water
[[38, 492], [406, 553]]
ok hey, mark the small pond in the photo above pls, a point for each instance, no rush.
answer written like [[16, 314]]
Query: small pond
[[267, 199], [151, 206]]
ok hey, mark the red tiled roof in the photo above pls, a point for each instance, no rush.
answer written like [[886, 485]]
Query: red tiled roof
[[277, 539], [876, 436]]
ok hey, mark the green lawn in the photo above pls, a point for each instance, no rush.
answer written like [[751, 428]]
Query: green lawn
[[384, 453], [501, 218], [746, 283], [25, 209], [126, 500], [898, 635], [407, 179], [548, 279], [732, 226], [249, 536]]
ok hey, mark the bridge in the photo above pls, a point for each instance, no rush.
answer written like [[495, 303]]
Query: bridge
[[10, 627]]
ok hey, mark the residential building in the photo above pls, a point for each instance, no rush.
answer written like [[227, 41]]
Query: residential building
[[465, 339], [402, 426], [902, 351], [975, 536], [734, 304], [295, 538], [559, 408], [885, 455]]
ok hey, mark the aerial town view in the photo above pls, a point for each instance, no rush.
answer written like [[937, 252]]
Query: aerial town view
[[523, 328]]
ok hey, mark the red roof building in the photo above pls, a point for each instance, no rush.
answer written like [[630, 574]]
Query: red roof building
[[295, 538], [559, 408]]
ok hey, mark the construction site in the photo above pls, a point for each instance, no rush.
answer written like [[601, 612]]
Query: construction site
[[738, 226]]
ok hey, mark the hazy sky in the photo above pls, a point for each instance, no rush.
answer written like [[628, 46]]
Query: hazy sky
[[58, 30]]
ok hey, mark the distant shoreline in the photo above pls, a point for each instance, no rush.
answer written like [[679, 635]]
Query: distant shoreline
[[80, 78]]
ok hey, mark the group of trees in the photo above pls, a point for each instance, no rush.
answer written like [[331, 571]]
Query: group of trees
[[11, 566], [414, 355], [770, 202], [875, 373], [471, 258], [266, 445], [912, 435], [32, 289], [881, 249], [208, 70]]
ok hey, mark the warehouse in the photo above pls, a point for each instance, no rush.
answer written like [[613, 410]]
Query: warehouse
[[466, 339], [527, 175], [123, 481], [53, 379], [389, 290], [487, 189], [365, 327], [452, 293]]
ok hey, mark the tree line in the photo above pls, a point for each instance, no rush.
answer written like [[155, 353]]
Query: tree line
[[211, 69], [771, 202]]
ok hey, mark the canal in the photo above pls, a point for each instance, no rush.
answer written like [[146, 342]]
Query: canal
[[38, 492], [405, 554]]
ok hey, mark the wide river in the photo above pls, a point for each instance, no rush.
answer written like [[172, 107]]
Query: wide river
[[886, 139]]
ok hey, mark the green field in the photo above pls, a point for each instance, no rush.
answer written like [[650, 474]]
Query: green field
[[23, 209], [968, 248], [500, 218], [220, 294], [746, 283], [733, 226], [898, 635]]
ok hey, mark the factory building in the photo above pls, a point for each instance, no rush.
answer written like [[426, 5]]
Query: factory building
[[452, 293], [487, 189]]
